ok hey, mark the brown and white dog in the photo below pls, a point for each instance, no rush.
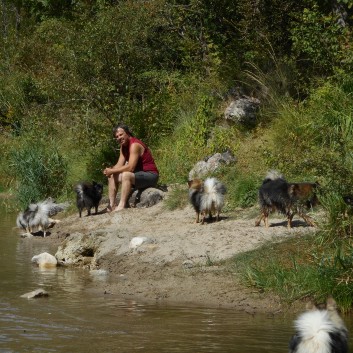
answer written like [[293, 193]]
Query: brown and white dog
[[320, 331], [206, 197], [276, 194]]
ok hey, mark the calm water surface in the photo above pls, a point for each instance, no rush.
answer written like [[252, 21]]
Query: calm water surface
[[72, 319]]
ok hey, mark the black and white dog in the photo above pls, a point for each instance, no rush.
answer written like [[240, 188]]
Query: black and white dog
[[88, 196], [207, 197], [38, 216], [320, 331]]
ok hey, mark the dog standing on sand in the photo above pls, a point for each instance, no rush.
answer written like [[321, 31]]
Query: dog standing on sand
[[38, 215], [207, 197], [88, 196], [276, 194], [320, 331]]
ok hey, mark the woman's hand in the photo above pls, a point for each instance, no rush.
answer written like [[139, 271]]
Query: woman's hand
[[108, 172]]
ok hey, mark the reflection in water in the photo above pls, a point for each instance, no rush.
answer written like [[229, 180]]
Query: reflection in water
[[72, 319]]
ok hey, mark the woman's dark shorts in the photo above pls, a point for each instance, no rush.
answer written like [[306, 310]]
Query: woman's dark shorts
[[145, 179]]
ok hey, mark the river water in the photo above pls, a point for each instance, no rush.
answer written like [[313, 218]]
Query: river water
[[73, 319]]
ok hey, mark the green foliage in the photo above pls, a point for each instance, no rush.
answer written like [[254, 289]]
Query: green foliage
[[99, 159], [198, 130], [241, 189], [177, 154], [338, 221], [177, 198], [40, 171], [316, 138], [299, 268], [319, 44], [223, 139]]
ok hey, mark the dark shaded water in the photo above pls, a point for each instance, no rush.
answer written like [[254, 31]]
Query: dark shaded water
[[72, 319]]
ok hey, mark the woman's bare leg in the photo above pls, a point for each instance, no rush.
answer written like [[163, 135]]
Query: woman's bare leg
[[127, 180], [113, 184]]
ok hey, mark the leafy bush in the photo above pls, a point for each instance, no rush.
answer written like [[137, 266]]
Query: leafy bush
[[177, 154], [241, 189], [315, 139], [177, 198], [100, 159], [40, 171]]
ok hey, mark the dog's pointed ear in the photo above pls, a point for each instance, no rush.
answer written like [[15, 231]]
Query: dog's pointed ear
[[331, 304], [189, 182]]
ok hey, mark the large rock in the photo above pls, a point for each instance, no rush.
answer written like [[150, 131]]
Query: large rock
[[45, 260], [211, 164], [146, 197], [242, 110]]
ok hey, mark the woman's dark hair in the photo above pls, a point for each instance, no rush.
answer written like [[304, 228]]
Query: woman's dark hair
[[124, 127]]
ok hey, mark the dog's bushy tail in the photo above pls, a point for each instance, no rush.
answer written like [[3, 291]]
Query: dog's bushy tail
[[51, 208], [315, 329], [79, 190], [214, 192], [319, 331]]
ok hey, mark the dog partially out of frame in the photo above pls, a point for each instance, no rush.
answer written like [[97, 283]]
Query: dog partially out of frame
[[276, 194], [38, 216], [320, 331], [207, 197], [88, 196]]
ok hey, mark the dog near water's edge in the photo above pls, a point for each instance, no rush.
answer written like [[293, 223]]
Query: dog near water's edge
[[38, 216], [276, 194], [88, 196], [320, 331], [207, 197]]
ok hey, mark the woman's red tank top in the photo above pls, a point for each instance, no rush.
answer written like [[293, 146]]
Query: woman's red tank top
[[145, 162]]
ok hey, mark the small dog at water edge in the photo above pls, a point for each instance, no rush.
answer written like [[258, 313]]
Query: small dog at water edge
[[207, 197], [88, 196], [37, 216], [320, 331]]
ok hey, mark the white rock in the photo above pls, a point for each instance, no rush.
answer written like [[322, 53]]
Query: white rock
[[45, 260], [138, 241], [35, 294]]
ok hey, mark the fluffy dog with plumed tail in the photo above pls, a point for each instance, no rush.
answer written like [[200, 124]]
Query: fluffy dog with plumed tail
[[38, 216], [320, 331], [207, 197]]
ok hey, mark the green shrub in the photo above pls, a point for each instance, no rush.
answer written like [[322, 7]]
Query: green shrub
[[99, 159], [242, 189], [177, 198], [177, 154], [315, 140], [40, 171]]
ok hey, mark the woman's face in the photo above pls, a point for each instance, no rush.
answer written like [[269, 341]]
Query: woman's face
[[122, 137]]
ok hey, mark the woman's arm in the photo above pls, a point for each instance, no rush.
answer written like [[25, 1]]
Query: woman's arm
[[135, 152]]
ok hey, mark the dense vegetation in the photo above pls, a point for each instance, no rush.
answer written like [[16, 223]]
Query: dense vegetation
[[69, 70]]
